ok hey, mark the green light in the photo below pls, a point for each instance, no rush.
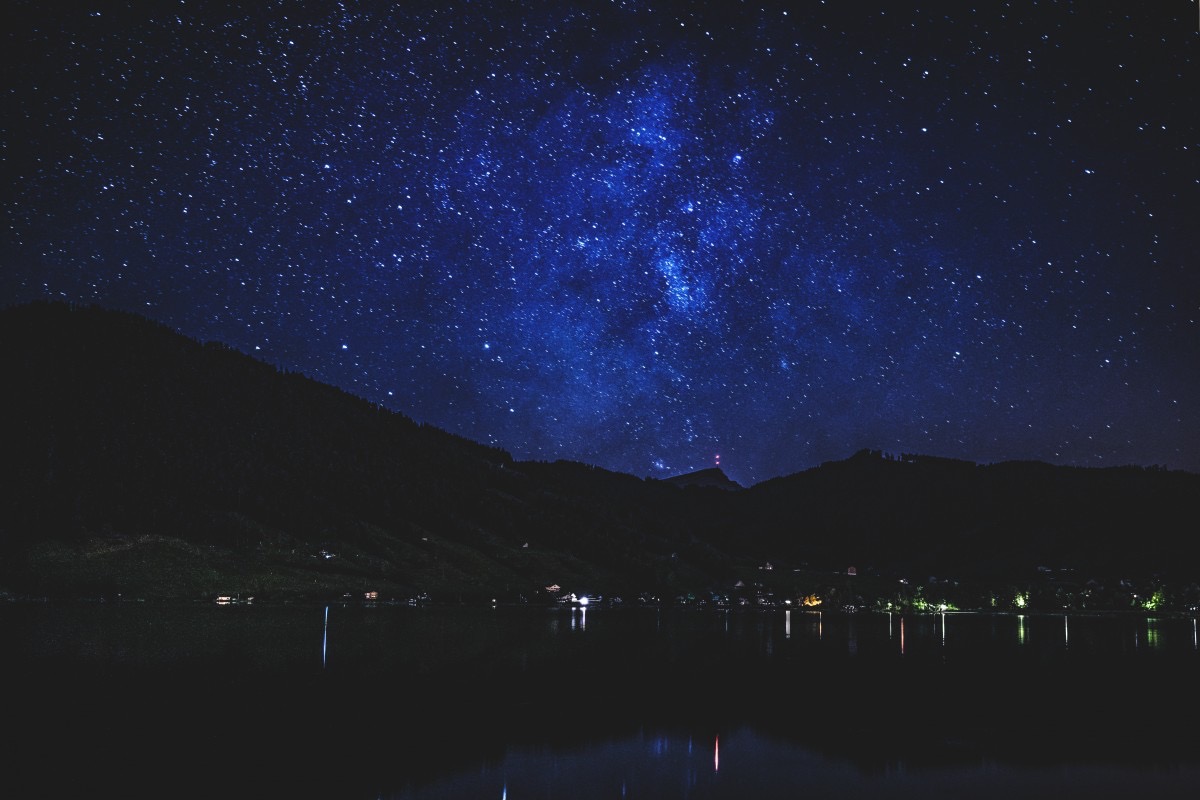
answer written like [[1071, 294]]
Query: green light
[[1154, 601]]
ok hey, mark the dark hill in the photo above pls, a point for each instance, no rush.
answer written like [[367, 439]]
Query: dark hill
[[713, 476], [924, 515], [143, 463]]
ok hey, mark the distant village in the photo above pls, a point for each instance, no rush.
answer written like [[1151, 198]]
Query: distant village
[[846, 591]]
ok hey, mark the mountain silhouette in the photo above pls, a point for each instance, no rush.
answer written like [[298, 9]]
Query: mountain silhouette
[[142, 463], [713, 476]]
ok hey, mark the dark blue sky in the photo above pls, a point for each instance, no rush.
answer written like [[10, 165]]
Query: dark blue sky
[[640, 234]]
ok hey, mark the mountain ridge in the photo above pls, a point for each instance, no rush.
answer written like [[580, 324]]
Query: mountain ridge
[[144, 462], [711, 477]]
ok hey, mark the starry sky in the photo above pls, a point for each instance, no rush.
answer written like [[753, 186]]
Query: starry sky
[[643, 234]]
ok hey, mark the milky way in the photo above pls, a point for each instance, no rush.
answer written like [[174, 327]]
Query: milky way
[[639, 235]]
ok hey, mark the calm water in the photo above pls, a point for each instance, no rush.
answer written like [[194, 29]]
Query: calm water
[[515, 703]]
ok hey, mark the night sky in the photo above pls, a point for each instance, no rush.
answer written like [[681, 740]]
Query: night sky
[[642, 234]]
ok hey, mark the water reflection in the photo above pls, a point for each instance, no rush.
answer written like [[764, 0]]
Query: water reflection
[[504, 668], [766, 767], [858, 635]]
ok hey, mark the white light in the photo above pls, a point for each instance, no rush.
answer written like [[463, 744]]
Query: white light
[[583, 601]]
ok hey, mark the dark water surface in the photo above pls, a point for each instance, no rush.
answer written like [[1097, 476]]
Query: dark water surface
[[515, 703]]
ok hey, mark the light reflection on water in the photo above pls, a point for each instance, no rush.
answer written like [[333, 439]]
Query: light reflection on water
[[325, 640], [746, 764], [797, 659], [945, 631]]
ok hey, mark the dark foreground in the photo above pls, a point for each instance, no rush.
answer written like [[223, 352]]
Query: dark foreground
[[356, 722]]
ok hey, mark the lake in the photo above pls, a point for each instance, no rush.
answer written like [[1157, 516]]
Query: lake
[[352, 701]]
